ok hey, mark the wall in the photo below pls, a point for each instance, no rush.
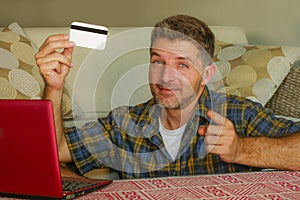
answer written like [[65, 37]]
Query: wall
[[265, 21]]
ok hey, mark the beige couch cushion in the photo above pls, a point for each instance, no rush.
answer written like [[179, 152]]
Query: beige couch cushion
[[19, 75], [252, 71]]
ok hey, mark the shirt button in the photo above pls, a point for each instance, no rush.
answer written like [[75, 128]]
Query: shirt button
[[173, 173]]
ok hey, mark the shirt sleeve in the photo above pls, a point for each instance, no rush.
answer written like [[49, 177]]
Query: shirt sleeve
[[81, 142], [262, 122]]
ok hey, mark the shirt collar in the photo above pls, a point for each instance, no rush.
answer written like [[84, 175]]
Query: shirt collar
[[207, 101], [204, 104]]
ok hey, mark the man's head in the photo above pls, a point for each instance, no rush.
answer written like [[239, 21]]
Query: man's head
[[184, 27], [181, 51]]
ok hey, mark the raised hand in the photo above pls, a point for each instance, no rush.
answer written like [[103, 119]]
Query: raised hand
[[54, 65]]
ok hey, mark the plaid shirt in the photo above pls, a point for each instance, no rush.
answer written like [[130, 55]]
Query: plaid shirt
[[129, 141]]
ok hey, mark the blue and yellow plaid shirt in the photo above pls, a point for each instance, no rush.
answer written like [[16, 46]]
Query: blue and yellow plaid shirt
[[128, 139]]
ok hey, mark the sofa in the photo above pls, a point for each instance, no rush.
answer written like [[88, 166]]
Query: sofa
[[267, 74]]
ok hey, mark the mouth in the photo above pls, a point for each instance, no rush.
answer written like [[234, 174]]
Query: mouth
[[166, 89]]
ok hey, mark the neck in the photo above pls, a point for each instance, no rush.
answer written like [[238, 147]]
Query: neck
[[177, 117], [174, 118]]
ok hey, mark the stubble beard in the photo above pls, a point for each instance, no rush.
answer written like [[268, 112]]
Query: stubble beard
[[174, 101], [168, 102]]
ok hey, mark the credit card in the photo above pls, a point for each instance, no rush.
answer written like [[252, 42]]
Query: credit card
[[88, 35]]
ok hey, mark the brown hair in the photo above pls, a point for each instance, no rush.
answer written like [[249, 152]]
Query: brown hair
[[185, 27]]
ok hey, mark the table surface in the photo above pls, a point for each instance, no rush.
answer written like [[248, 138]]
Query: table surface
[[255, 185]]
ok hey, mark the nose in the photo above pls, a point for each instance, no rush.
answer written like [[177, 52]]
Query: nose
[[167, 74]]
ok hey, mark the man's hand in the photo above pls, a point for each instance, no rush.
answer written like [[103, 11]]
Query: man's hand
[[54, 65], [221, 138], [55, 60], [66, 172]]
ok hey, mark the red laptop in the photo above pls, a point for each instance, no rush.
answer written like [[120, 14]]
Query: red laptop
[[29, 166]]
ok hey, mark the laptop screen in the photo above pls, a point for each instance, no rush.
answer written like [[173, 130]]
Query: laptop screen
[[29, 158]]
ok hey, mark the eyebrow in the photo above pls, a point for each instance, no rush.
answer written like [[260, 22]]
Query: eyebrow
[[178, 57], [154, 54]]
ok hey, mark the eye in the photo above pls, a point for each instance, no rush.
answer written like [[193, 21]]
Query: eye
[[184, 65], [157, 62]]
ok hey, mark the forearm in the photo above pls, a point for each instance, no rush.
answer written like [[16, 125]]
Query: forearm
[[278, 153], [56, 97], [54, 66]]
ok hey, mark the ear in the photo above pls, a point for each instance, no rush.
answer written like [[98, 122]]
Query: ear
[[209, 72]]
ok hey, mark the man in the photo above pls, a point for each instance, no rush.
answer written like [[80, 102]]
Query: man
[[159, 137]]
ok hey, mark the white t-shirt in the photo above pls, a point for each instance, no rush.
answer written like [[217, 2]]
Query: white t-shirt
[[171, 138]]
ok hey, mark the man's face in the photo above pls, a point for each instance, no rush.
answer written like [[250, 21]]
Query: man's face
[[175, 73]]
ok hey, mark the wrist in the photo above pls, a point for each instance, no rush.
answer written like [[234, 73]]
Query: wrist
[[252, 151], [53, 94], [242, 151]]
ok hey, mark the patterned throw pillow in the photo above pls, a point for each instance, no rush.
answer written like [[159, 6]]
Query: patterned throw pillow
[[19, 75], [254, 72]]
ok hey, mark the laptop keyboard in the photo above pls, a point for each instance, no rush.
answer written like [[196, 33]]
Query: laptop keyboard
[[68, 185]]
